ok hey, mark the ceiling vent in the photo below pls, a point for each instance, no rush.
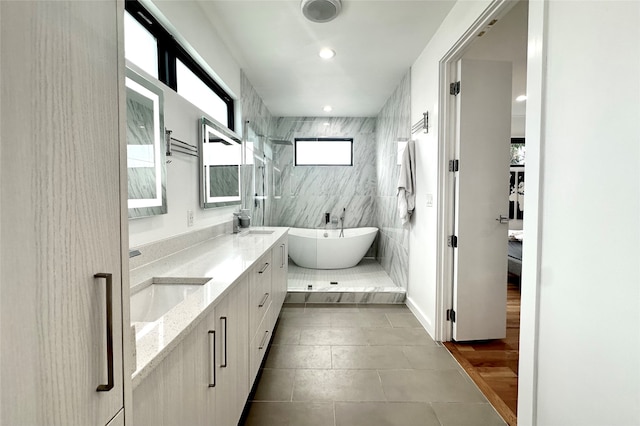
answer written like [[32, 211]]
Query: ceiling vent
[[320, 10]]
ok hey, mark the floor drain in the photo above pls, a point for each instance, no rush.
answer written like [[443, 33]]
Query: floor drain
[[334, 282]]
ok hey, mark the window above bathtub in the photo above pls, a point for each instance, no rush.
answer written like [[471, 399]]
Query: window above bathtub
[[323, 151]]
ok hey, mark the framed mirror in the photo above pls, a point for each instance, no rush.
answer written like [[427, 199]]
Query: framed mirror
[[220, 159], [146, 162]]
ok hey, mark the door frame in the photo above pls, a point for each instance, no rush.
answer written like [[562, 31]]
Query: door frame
[[534, 133]]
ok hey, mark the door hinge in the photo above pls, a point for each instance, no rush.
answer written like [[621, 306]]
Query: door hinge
[[452, 241], [454, 165], [451, 315], [454, 88]]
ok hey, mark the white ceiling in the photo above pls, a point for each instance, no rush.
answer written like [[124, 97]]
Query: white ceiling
[[376, 42]]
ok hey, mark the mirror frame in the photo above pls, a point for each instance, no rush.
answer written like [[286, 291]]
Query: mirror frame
[[144, 207], [208, 126]]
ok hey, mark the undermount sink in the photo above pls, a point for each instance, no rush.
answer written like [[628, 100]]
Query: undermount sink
[[258, 232], [156, 299]]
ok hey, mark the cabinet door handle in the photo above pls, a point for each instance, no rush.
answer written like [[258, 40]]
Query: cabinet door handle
[[264, 268], [212, 358], [109, 280], [264, 340], [264, 300], [223, 322], [282, 256]]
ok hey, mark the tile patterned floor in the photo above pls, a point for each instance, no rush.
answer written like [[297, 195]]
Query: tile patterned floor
[[350, 365]]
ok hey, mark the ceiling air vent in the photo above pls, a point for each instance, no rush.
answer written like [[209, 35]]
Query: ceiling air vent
[[320, 10]]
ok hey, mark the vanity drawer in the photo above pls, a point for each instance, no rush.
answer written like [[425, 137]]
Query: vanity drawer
[[259, 344], [260, 294]]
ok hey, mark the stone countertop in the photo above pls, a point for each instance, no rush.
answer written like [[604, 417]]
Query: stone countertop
[[224, 260]]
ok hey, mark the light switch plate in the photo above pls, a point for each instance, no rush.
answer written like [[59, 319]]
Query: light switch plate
[[189, 218]]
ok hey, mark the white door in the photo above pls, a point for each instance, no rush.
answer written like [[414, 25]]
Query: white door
[[482, 188]]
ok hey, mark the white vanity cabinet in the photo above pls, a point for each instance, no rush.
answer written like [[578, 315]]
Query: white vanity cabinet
[[260, 326], [279, 274], [63, 195], [232, 359], [202, 381]]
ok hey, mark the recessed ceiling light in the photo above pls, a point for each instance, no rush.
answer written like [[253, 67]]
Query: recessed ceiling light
[[521, 98], [327, 108], [326, 53]]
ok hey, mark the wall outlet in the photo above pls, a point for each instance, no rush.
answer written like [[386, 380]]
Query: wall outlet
[[429, 200], [189, 217]]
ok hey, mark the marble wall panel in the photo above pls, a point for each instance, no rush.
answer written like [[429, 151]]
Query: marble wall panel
[[257, 116], [393, 125], [311, 191]]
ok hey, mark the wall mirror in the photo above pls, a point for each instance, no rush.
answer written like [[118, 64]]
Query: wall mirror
[[220, 158], [146, 164]]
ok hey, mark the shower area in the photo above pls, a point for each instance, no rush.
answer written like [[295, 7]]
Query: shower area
[[323, 200]]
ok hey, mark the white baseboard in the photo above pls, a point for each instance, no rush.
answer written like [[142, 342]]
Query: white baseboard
[[424, 321]]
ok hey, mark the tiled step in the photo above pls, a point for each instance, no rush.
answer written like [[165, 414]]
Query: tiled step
[[345, 295]]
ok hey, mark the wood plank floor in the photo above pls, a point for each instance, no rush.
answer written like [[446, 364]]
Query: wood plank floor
[[493, 364]]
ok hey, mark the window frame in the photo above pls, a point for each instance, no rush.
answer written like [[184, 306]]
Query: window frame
[[325, 139], [169, 50]]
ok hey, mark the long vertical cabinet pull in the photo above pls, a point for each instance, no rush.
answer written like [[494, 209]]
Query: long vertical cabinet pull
[[212, 358], [109, 280], [223, 322], [282, 255]]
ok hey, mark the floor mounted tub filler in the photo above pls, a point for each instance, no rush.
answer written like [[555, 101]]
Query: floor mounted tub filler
[[325, 249]]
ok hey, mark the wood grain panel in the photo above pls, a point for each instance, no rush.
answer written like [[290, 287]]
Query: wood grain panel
[[61, 209]]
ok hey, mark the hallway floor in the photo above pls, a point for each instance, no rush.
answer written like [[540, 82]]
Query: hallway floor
[[493, 364], [348, 365]]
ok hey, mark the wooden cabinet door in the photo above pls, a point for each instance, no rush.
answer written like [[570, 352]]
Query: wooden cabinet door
[[182, 389], [61, 209], [232, 355], [279, 274]]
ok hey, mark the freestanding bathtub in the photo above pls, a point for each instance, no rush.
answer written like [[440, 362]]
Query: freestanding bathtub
[[324, 249]]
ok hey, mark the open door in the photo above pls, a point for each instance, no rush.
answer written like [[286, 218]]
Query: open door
[[482, 189]]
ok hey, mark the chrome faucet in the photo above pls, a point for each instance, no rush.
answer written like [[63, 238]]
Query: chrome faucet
[[344, 210]]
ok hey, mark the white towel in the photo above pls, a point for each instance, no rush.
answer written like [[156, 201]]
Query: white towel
[[406, 183]]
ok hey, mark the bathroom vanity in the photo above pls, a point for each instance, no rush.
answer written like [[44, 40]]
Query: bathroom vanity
[[212, 309]]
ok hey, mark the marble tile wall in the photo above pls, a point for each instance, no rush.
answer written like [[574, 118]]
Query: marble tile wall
[[257, 123], [308, 192], [393, 124]]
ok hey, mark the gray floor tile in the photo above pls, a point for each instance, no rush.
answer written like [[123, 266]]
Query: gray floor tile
[[403, 320], [291, 414], [461, 414], [385, 308], [293, 356], [333, 336], [275, 385], [286, 335], [337, 385], [305, 319], [428, 386], [360, 319], [398, 336], [368, 357], [430, 358], [385, 414]]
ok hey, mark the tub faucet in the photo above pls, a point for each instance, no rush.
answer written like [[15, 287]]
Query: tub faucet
[[344, 210]]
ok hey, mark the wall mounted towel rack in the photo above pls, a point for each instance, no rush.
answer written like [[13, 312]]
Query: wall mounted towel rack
[[176, 145], [422, 124]]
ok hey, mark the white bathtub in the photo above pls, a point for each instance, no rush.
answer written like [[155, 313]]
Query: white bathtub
[[323, 249]]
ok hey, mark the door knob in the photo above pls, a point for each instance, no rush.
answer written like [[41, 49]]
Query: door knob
[[503, 219]]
